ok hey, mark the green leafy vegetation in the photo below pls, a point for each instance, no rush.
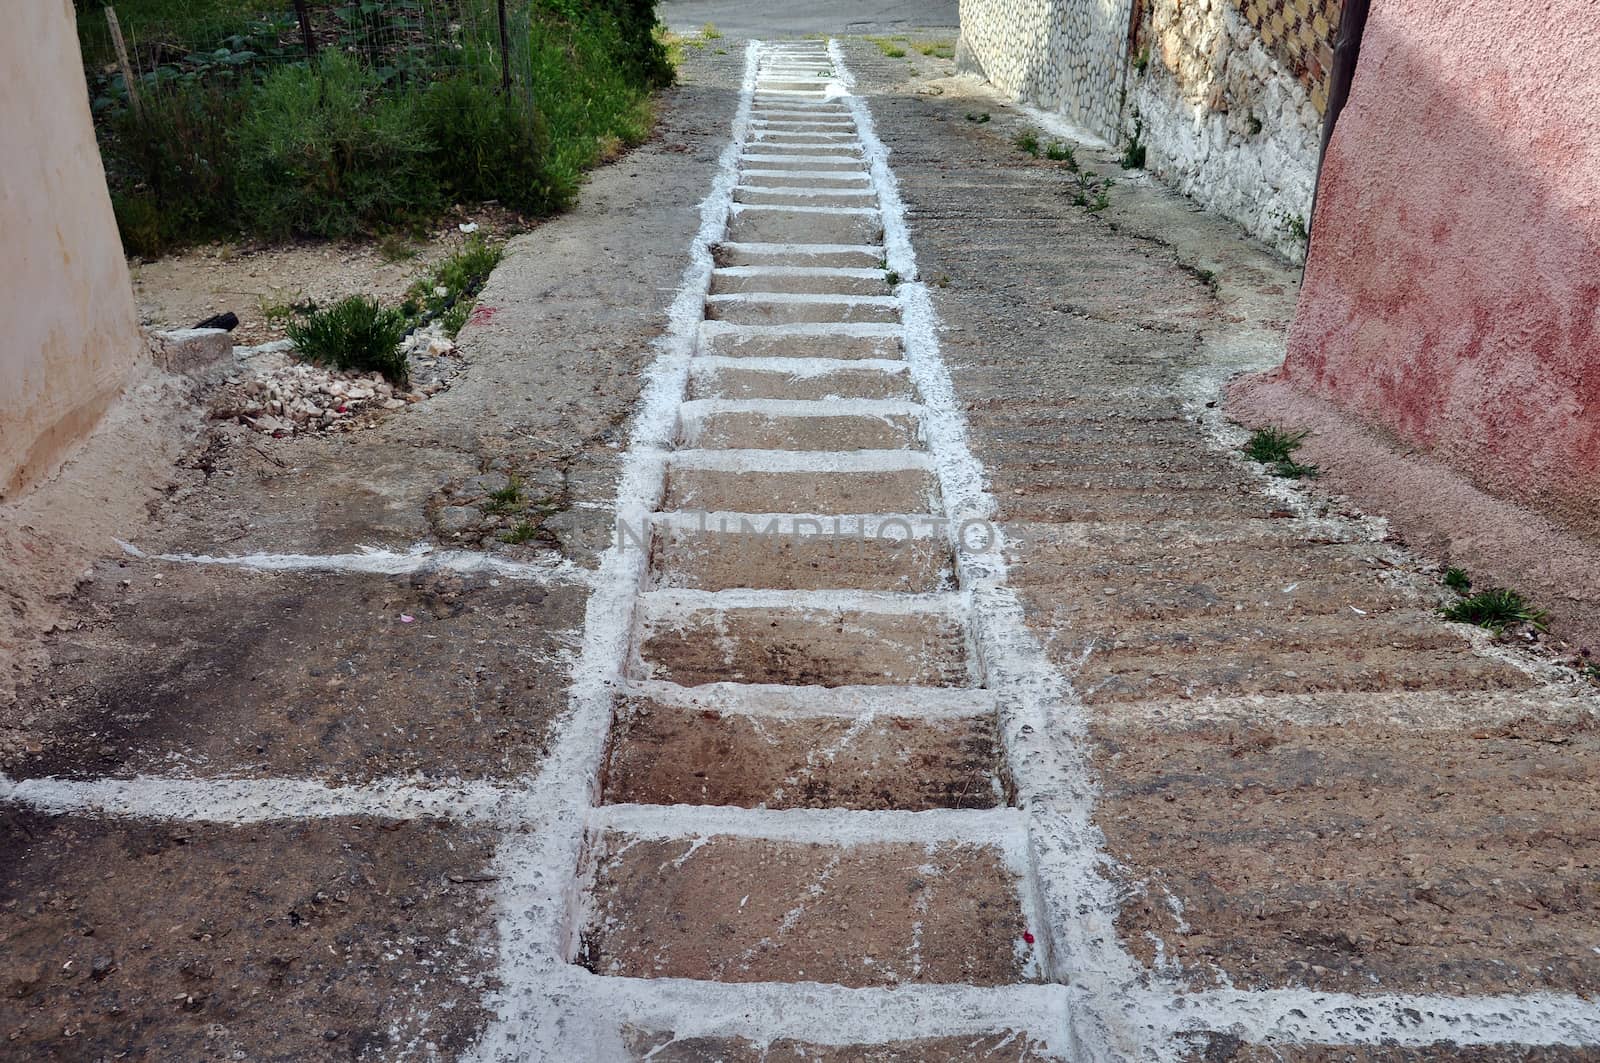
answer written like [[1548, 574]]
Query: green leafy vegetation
[[980, 117], [889, 46], [1275, 447], [404, 112], [937, 49], [1497, 610], [1027, 142], [356, 334], [506, 497], [1133, 152], [710, 32], [1091, 192], [1457, 580], [450, 288], [521, 532], [1295, 226], [1056, 151]]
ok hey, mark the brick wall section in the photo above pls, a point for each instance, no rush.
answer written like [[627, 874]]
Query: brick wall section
[[1300, 35]]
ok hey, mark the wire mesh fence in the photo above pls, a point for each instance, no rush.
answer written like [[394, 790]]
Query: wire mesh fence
[[405, 43]]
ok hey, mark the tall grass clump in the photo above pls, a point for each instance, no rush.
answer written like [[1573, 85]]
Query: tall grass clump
[[356, 334]]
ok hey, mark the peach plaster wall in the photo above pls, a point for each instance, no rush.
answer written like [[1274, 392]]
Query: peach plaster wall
[[1452, 295], [71, 332]]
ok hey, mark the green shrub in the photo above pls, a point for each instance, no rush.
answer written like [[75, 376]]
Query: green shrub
[[355, 334], [324, 152], [1496, 610], [486, 144], [462, 277]]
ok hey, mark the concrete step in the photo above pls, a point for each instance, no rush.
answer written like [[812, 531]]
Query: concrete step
[[774, 424], [780, 308], [793, 280], [696, 753], [756, 177], [792, 196], [818, 340], [810, 256], [666, 1046], [769, 481], [776, 160], [736, 909], [799, 379], [720, 551], [799, 638], [805, 225]]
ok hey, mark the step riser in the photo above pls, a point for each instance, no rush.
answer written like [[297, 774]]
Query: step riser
[[854, 257], [815, 198], [756, 431], [799, 345], [711, 490], [801, 647], [801, 284], [686, 558], [754, 311], [734, 383], [788, 226]]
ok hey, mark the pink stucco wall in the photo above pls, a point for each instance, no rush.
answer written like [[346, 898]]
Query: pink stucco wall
[[69, 332], [1452, 296]]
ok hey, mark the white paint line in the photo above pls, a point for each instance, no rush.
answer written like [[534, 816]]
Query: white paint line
[[996, 828], [421, 558], [809, 175], [852, 161], [798, 368], [803, 193], [790, 702], [658, 606], [700, 409], [750, 248], [1042, 722], [539, 906], [801, 299], [811, 1013], [765, 208], [844, 272], [854, 329], [1302, 1016], [802, 461], [236, 800]]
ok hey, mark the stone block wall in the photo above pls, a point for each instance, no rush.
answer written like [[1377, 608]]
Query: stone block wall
[[1227, 96], [1066, 56]]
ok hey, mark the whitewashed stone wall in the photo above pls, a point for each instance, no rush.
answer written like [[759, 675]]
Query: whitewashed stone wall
[[1065, 56], [1224, 123], [1222, 120]]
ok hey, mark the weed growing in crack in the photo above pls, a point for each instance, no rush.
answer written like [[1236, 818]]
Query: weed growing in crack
[[891, 278], [504, 499], [1274, 447], [1295, 226], [980, 117], [937, 49], [889, 48], [1141, 62], [1496, 610], [1092, 193], [1133, 152], [355, 334], [710, 32], [1056, 151], [448, 291], [1457, 580], [522, 532], [1027, 142]]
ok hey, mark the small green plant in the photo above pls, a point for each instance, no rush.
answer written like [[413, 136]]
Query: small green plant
[[1027, 142], [1253, 124], [1056, 151], [1141, 62], [355, 334], [1495, 610], [449, 289], [889, 47], [710, 32], [523, 531], [938, 49], [1091, 193], [891, 278], [1133, 152], [1590, 671], [1274, 447], [504, 498], [1295, 226], [980, 117], [1457, 580]]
